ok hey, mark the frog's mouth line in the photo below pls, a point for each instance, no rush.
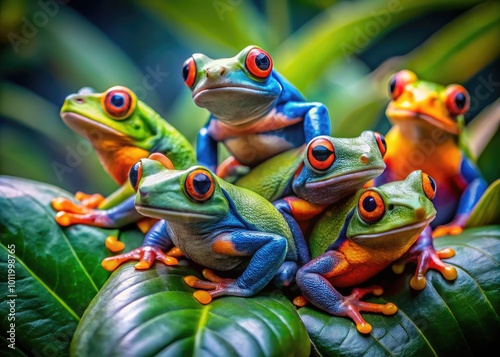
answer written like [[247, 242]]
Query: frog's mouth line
[[174, 215], [414, 226], [446, 124], [233, 88], [88, 128], [356, 177]]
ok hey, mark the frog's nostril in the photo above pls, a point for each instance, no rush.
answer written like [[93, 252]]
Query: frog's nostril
[[79, 100], [419, 213], [365, 159]]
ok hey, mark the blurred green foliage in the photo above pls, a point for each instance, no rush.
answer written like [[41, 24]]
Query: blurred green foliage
[[337, 52]]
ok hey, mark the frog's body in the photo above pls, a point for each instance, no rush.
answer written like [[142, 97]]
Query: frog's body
[[216, 224], [426, 120], [354, 241], [254, 111], [122, 130]]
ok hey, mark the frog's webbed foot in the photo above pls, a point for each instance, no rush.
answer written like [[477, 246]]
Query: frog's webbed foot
[[452, 228], [89, 201], [113, 244], [216, 286], [146, 255], [423, 253]]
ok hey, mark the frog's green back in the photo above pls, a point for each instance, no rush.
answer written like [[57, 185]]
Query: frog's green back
[[270, 178], [257, 211], [168, 140], [328, 226]]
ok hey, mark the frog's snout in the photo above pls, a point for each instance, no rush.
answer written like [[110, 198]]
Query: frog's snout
[[215, 71], [365, 158], [76, 98], [419, 213]]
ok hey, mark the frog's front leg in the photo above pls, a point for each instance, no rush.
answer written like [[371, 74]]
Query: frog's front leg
[[314, 285], [206, 149], [267, 252], [116, 217], [155, 243], [470, 197], [316, 118], [423, 253], [293, 209]]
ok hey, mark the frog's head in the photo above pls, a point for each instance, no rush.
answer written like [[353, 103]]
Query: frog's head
[[428, 104], [115, 115], [236, 90], [191, 195], [390, 217], [337, 167]]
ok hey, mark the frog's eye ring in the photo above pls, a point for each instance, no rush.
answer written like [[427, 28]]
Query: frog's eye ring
[[135, 174], [429, 186], [371, 206], [189, 71], [200, 185], [398, 82], [119, 102], [457, 99], [382, 145], [321, 154], [259, 63]]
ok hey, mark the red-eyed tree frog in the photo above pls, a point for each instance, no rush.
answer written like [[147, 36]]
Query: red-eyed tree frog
[[426, 121], [215, 224], [122, 130], [372, 229], [254, 111]]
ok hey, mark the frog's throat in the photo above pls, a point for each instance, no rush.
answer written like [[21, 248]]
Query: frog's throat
[[415, 227], [176, 216], [258, 111], [408, 114], [90, 129], [355, 178]]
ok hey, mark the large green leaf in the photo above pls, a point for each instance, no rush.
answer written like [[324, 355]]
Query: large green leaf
[[57, 271], [445, 319], [153, 312]]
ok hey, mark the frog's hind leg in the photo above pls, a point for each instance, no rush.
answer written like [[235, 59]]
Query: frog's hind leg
[[312, 281], [286, 274]]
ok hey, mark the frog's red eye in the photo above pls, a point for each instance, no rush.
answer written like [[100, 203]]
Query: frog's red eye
[[429, 186], [321, 154], [189, 71], [134, 175], [259, 63], [119, 102], [398, 82], [381, 143], [200, 185], [457, 99], [371, 206]]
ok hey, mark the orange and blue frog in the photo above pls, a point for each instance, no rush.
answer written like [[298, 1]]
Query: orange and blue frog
[[254, 111], [427, 120]]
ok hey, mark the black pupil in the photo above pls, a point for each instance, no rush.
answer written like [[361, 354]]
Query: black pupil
[[321, 153], [392, 85], [185, 72], [201, 183], [133, 175], [433, 183], [117, 100], [262, 61], [460, 100], [369, 204]]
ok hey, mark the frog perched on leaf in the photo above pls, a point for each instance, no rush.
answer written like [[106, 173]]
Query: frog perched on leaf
[[215, 224], [426, 121], [254, 111], [122, 130], [354, 241]]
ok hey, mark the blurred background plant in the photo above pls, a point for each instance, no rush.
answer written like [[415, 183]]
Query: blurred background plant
[[340, 53]]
